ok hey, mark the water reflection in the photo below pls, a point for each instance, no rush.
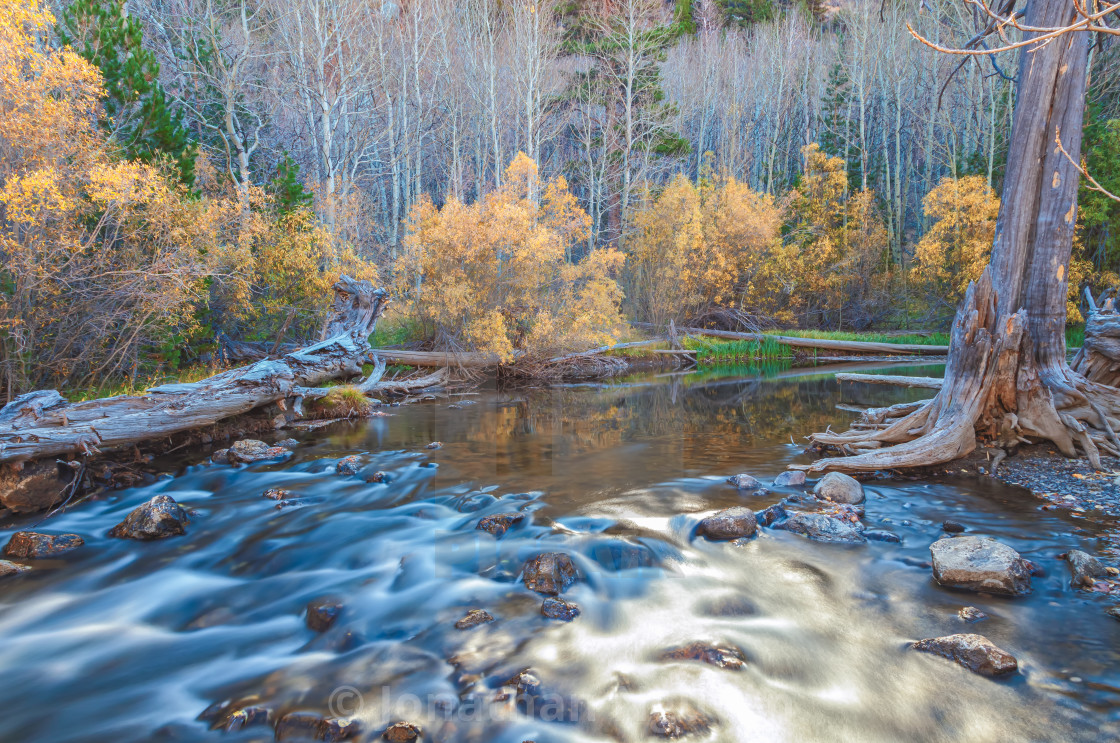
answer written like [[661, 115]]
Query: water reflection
[[124, 641]]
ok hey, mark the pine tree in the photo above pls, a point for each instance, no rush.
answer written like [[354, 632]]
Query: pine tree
[[137, 111], [287, 189], [745, 13]]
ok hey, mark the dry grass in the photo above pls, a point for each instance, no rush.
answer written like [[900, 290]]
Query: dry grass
[[343, 401]]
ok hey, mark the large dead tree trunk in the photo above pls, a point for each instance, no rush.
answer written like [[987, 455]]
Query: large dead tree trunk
[[1007, 379], [44, 424]]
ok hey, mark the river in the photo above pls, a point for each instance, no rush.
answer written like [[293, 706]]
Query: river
[[131, 641]]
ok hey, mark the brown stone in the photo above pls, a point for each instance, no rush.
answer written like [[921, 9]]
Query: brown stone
[[550, 573], [730, 523], [726, 656], [975, 652], [678, 721], [500, 523], [322, 613], [158, 518], [308, 725], [402, 732], [473, 618], [33, 544], [11, 568]]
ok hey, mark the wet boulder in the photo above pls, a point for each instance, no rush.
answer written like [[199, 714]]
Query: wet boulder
[[952, 527], [771, 515], [549, 573], [730, 523], [500, 523], [975, 652], [678, 720], [159, 518], [971, 614], [233, 716], [277, 494], [377, 478], [33, 544], [790, 478], [287, 443], [248, 451], [221, 456], [824, 528], [33, 486], [1084, 569], [311, 726], [435, 445], [348, 465], [720, 656], [402, 732], [8, 568], [555, 608], [839, 488], [980, 564], [473, 618], [749, 483], [322, 613]]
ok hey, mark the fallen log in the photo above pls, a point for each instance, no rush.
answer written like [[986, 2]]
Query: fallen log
[[441, 359], [44, 424], [603, 349], [927, 383], [821, 343]]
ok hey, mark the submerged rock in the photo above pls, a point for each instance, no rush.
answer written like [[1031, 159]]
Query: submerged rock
[[499, 523], [824, 528], [730, 523], [159, 518], [251, 450], [322, 613], [975, 652], [980, 564], [790, 477], [725, 656], [555, 608], [678, 721], [11, 568], [746, 482], [34, 544], [348, 465], [473, 618], [221, 456], [839, 488], [971, 614], [288, 443], [1114, 612], [549, 573], [771, 515], [952, 527], [277, 494], [1084, 568], [311, 726], [402, 732], [881, 535], [377, 477]]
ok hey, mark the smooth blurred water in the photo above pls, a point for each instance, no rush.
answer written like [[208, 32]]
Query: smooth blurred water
[[127, 641]]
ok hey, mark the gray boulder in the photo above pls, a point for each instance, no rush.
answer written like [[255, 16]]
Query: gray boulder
[[839, 488], [251, 450], [790, 477], [980, 564], [730, 523], [975, 652], [823, 528], [1083, 568], [158, 518], [746, 482]]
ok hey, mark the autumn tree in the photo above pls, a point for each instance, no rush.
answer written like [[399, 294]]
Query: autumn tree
[[493, 276], [1007, 378]]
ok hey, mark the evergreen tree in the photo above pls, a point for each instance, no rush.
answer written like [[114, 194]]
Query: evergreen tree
[[288, 193], [744, 13], [837, 134], [136, 106]]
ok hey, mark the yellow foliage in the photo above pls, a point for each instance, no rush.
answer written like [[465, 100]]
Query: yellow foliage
[[495, 275], [694, 247], [956, 248]]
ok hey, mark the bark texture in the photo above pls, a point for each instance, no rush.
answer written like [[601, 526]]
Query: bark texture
[[1007, 380], [43, 424]]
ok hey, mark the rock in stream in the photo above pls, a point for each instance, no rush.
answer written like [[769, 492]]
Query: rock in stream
[[980, 564]]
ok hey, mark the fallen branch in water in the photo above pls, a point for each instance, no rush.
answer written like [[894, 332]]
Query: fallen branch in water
[[928, 383], [826, 344]]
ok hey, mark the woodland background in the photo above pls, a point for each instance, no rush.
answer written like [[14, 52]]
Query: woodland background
[[525, 175]]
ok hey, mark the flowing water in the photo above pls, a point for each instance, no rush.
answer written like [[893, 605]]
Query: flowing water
[[129, 641]]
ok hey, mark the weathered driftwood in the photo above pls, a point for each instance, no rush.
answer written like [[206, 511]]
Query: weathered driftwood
[[824, 343], [1098, 360], [441, 359], [43, 424], [927, 383], [603, 349]]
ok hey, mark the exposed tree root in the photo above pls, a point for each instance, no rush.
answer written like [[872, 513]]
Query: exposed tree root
[[1001, 388]]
